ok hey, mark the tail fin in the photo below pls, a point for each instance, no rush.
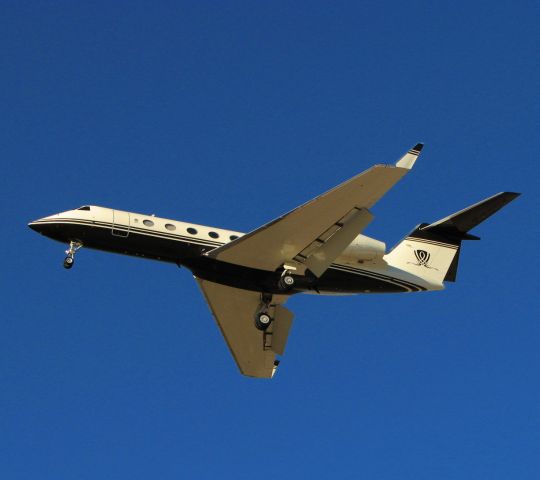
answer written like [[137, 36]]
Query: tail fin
[[432, 250]]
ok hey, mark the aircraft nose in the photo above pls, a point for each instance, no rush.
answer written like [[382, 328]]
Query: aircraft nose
[[45, 224], [35, 226]]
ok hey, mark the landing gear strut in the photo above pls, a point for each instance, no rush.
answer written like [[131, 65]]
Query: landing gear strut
[[262, 317], [70, 259]]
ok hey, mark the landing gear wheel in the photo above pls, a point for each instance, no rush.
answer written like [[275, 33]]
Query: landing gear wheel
[[71, 251], [262, 321], [286, 282], [68, 262]]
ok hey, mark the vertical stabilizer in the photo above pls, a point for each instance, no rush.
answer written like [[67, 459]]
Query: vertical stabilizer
[[426, 255], [432, 250]]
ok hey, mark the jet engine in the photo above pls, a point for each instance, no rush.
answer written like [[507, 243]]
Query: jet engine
[[363, 250]]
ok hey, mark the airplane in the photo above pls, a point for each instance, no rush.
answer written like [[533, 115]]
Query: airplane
[[316, 248]]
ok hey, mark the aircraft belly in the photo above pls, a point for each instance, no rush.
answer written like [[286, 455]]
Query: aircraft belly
[[341, 282], [239, 276], [332, 282], [349, 280]]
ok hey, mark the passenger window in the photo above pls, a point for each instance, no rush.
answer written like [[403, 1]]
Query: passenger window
[[170, 226], [213, 234], [148, 223], [192, 231], [233, 237]]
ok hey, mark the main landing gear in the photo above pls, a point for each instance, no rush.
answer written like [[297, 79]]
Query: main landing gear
[[262, 320], [262, 317], [286, 282], [70, 259]]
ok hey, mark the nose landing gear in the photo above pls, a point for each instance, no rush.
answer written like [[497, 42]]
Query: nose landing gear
[[70, 259]]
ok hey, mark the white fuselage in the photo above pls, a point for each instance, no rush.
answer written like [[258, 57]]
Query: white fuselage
[[186, 243]]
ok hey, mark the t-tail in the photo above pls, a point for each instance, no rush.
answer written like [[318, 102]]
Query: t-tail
[[431, 251]]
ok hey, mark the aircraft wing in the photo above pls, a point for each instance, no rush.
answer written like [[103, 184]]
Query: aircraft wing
[[315, 233], [253, 350]]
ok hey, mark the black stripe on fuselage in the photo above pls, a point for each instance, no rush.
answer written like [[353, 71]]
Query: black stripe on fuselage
[[130, 229], [189, 251], [408, 286]]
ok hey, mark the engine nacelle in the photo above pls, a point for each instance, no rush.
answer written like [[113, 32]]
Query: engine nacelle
[[363, 249]]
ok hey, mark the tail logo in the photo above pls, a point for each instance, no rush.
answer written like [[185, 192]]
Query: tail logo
[[422, 259]]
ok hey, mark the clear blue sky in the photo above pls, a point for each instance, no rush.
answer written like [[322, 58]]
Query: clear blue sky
[[229, 114]]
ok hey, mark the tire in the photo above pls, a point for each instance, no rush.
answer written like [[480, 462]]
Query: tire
[[68, 262], [286, 282], [262, 321]]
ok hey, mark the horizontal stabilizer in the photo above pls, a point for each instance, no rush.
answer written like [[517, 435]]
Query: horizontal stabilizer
[[458, 224], [432, 250]]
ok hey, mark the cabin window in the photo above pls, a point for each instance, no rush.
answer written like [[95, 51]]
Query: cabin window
[[233, 237], [170, 226], [213, 234], [192, 231], [86, 207], [148, 223]]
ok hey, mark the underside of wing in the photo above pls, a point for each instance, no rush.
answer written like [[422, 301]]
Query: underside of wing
[[315, 233], [234, 309]]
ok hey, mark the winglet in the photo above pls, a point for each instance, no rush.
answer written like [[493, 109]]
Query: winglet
[[407, 161]]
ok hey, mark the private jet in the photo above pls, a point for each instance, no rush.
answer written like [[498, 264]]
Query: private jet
[[316, 248]]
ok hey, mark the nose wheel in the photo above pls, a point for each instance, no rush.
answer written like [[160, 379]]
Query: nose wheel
[[70, 259], [68, 262]]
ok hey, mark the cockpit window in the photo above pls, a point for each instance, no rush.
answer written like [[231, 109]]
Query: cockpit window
[[86, 207]]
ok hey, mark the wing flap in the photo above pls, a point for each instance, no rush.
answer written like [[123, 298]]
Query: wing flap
[[282, 324], [318, 259]]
